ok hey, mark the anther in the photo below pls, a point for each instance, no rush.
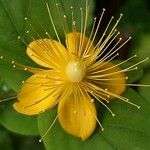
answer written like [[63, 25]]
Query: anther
[[71, 7], [46, 33], [56, 4], [25, 18], [112, 17], [104, 9], [1, 57], [19, 37], [121, 15], [27, 32], [64, 16], [126, 78], [13, 62], [25, 69], [113, 115], [147, 58], [74, 23], [22, 82], [92, 100], [14, 66], [130, 38]]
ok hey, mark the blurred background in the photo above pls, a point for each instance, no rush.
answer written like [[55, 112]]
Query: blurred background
[[135, 23]]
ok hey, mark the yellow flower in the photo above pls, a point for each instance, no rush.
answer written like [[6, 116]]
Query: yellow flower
[[77, 73]]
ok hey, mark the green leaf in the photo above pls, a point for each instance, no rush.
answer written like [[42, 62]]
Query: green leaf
[[15, 122], [129, 129], [136, 23], [11, 119], [144, 91], [142, 49], [5, 140]]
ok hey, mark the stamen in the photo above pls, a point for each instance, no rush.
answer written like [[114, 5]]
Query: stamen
[[122, 98], [94, 36], [84, 28], [49, 129], [25, 68], [99, 123], [51, 19], [81, 29], [139, 85], [96, 88], [99, 44], [104, 33], [103, 103], [60, 17], [133, 67], [114, 66], [107, 79], [7, 99], [82, 91], [103, 50]]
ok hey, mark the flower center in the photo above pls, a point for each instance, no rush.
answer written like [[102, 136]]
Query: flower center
[[75, 70]]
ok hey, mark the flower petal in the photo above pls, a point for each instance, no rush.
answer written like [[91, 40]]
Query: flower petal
[[77, 115], [46, 52], [36, 94], [76, 42]]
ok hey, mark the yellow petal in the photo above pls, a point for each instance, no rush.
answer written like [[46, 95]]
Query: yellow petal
[[34, 110], [115, 82], [77, 115], [33, 97], [78, 43], [47, 53]]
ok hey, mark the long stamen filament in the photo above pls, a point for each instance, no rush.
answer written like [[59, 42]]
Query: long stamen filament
[[40, 140]]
